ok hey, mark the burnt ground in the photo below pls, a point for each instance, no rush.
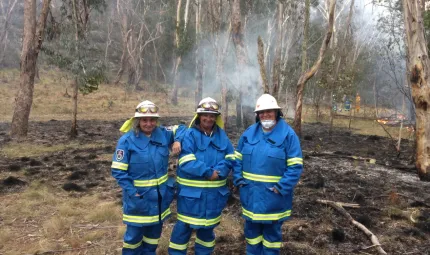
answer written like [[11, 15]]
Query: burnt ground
[[344, 167]]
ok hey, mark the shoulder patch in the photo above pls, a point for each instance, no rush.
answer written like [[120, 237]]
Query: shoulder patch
[[119, 155], [169, 128]]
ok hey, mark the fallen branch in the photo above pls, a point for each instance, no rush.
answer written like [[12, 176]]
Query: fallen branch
[[360, 226], [96, 226], [340, 203]]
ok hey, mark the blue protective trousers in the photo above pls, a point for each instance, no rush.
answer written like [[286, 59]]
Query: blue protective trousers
[[263, 239], [141, 240], [205, 239]]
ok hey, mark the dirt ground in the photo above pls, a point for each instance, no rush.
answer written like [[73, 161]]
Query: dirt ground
[[345, 167]]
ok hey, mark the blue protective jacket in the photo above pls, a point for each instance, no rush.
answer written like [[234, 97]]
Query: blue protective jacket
[[266, 160], [201, 201], [140, 167]]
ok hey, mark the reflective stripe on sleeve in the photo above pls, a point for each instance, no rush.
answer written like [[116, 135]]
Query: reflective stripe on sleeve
[[271, 216], [175, 127], [205, 244], [187, 158], [119, 165], [152, 182], [238, 155], [254, 241], [261, 178], [201, 184], [178, 246], [199, 222], [230, 156], [294, 161], [145, 219], [274, 245]]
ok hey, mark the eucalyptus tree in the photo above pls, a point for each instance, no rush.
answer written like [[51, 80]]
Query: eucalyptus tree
[[418, 71], [72, 50], [32, 40]]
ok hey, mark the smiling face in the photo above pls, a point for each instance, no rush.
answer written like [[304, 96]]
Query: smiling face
[[267, 115], [147, 124], [207, 121]]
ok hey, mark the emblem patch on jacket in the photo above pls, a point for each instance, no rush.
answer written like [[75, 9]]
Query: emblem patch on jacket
[[119, 155]]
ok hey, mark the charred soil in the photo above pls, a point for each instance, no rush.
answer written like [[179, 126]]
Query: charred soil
[[344, 167]]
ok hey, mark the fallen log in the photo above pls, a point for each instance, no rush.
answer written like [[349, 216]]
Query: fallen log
[[360, 226]]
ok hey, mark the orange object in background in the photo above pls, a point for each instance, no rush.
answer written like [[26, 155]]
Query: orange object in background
[[357, 102]]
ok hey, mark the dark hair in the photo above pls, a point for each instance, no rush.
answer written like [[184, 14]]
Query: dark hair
[[279, 115]]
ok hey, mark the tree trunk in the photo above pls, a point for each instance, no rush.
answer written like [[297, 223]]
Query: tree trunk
[[305, 35], [74, 127], [265, 83], [125, 38], [242, 60], [174, 97], [31, 44], [338, 60], [418, 71], [311, 72], [277, 62], [199, 59]]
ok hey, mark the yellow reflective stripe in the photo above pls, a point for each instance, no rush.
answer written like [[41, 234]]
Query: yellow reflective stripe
[[175, 127], [205, 244], [261, 178], [199, 222], [145, 219], [272, 244], [294, 161], [272, 216], [238, 155], [131, 246], [201, 184], [178, 246], [187, 158], [254, 241], [230, 156], [119, 165], [152, 182], [150, 240]]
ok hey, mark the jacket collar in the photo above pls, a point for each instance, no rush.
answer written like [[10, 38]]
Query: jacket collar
[[141, 140], [276, 136]]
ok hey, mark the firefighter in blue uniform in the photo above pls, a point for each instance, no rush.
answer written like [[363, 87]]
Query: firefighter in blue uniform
[[205, 161], [140, 167], [269, 165]]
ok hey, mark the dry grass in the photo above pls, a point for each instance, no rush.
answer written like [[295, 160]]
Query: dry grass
[[110, 102], [104, 213], [43, 218], [107, 103]]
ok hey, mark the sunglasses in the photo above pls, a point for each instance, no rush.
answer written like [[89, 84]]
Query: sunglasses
[[146, 109], [210, 106]]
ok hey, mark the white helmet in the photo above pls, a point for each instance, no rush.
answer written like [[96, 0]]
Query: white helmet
[[266, 102], [208, 105], [146, 109]]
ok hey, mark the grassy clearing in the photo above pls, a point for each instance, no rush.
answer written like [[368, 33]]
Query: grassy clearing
[[43, 218], [26, 149], [107, 103], [111, 102]]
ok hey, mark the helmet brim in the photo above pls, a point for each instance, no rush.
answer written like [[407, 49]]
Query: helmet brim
[[265, 109], [141, 115]]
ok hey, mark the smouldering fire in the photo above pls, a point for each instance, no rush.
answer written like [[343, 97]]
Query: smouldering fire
[[382, 121]]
